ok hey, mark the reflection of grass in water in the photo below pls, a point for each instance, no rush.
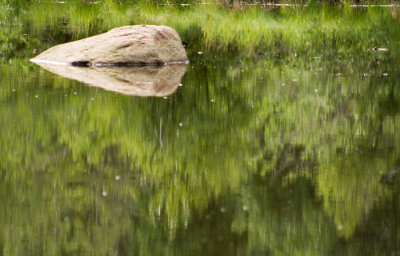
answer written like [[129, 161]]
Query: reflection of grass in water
[[114, 134], [312, 30], [208, 157]]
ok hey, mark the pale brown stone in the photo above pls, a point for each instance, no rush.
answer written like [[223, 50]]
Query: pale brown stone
[[130, 45]]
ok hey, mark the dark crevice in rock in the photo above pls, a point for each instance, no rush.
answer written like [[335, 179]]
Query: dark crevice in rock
[[127, 64], [81, 63]]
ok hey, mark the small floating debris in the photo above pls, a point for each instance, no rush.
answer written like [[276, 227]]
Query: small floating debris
[[283, 84], [104, 193], [36, 96], [180, 124], [200, 53], [294, 80], [223, 209], [117, 177], [180, 85], [384, 74], [245, 208], [316, 90], [75, 93], [380, 49], [212, 100]]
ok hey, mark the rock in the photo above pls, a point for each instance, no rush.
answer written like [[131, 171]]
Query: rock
[[130, 45], [158, 81]]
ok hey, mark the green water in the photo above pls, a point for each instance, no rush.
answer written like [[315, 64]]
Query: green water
[[279, 151]]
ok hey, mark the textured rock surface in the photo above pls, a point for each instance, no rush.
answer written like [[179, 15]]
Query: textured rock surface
[[158, 81], [130, 45]]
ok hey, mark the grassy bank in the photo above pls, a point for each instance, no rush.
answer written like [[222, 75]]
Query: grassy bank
[[315, 30]]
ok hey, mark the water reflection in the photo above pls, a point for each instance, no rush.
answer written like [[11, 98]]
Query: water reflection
[[156, 81], [233, 158]]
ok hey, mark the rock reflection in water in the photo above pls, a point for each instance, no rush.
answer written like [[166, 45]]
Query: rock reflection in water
[[146, 81]]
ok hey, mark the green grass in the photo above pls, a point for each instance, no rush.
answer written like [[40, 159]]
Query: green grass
[[250, 32]]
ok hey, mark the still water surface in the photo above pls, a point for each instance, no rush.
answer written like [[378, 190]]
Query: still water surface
[[266, 157]]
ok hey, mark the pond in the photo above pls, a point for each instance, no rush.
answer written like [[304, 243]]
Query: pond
[[257, 151]]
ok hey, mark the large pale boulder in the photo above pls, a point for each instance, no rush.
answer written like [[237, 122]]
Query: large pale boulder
[[130, 45], [153, 81]]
